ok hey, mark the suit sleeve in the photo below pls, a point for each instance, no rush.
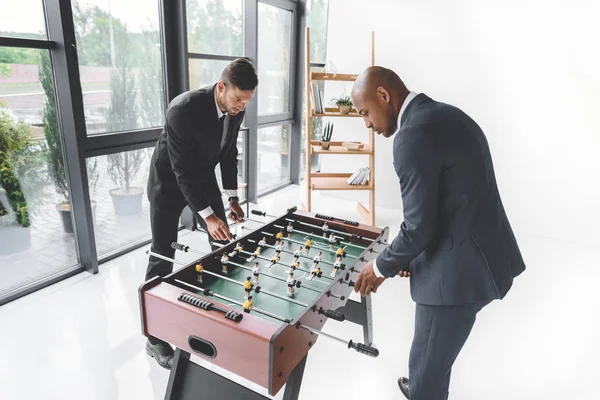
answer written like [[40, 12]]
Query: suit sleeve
[[418, 170], [229, 171], [188, 171]]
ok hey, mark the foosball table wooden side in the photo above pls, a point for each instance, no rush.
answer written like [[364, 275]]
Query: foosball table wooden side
[[239, 347]]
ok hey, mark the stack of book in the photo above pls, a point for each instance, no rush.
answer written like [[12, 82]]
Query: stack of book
[[360, 177], [317, 99]]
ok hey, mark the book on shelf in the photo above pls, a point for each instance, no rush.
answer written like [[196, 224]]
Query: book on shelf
[[360, 177], [353, 145], [317, 98]]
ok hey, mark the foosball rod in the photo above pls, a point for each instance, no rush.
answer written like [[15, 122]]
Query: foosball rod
[[290, 252], [298, 242], [208, 292], [321, 237], [257, 290], [280, 263], [354, 235], [360, 347], [272, 276]]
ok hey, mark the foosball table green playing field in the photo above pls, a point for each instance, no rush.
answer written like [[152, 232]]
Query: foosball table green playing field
[[255, 306]]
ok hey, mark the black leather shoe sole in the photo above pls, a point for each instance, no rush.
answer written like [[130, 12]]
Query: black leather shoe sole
[[162, 364], [403, 384]]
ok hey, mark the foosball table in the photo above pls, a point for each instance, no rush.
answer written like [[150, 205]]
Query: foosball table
[[256, 305]]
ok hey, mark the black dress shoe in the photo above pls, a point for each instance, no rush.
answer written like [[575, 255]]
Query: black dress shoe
[[162, 352], [403, 383]]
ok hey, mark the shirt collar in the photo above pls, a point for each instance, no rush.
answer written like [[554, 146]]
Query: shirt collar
[[408, 99], [219, 112]]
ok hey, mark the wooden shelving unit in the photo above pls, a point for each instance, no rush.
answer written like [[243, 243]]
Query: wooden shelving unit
[[336, 181]]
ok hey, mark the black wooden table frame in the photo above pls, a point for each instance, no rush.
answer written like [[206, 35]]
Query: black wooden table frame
[[190, 381]]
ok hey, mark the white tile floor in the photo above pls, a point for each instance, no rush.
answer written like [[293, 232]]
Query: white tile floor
[[80, 339]]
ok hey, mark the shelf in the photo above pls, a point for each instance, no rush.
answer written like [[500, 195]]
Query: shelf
[[338, 182], [337, 148], [321, 76]]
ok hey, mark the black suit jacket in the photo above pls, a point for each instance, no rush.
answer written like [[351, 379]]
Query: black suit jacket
[[456, 236], [188, 150]]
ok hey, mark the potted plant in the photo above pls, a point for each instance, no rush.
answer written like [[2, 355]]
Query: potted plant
[[344, 103], [54, 149], [326, 136], [21, 178], [122, 168]]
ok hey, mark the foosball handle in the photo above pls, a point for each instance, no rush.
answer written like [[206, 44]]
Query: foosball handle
[[179, 246], [260, 213], [292, 210], [338, 316], [363, 348]]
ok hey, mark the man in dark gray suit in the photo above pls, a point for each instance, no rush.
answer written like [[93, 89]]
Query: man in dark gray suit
[[456, 242], [200, 131]]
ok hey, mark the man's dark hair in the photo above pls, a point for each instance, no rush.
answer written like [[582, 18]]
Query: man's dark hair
[[241, 74]]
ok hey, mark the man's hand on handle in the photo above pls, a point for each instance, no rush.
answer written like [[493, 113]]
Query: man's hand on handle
[[217, 228], [367, 281], [236, 214]]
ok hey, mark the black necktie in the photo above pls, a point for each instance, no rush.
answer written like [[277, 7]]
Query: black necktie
[[223, 134]]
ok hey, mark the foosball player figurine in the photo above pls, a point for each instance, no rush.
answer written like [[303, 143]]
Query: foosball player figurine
[[293, 266], [248, 287], [336, 266], [325, 229], [199, 269], [338, 258], [308, 244], [254, 255], [315, 272], [297, 253], [256, 272], [224, 261], [248, 304], [236, 250], [332, 241], [279, 236], [279, 248], [317, 259], [291, 285], [290, 229], [340, 252], [262, 243], [274, 260]]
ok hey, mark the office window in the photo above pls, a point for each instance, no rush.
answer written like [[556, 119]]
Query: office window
[[205, 72], [120, 64], [273, 157], [22, 19], [215, 27], [36, 228], [274, 39], [118, 194]]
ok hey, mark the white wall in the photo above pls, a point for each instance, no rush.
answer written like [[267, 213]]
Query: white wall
[[527, 71]]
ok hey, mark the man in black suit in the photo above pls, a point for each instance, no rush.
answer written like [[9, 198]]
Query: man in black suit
[[456, 242], [200, 131]]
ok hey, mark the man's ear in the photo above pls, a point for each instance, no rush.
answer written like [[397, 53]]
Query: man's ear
[[383, 94]]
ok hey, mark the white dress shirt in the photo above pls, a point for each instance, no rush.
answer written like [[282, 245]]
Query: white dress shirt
[[407, 101], [208, 211]]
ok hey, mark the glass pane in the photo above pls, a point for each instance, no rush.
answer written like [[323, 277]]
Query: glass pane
[[35, 221], [317, 12], [119, 51], [205, 72], [22, 19], [215, 27], [118, 187], [273, 157], [274, 39]]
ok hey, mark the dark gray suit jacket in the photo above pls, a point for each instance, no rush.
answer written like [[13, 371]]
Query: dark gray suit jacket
[[189, 149], [456, 236]]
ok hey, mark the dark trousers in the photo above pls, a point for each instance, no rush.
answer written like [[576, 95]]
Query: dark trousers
[[164, 223], [440, 333]]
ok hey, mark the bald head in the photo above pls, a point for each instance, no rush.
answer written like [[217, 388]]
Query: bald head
[[378, 94]]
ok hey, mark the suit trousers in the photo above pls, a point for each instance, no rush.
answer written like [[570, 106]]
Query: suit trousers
[[164, 222], [440, 333]]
